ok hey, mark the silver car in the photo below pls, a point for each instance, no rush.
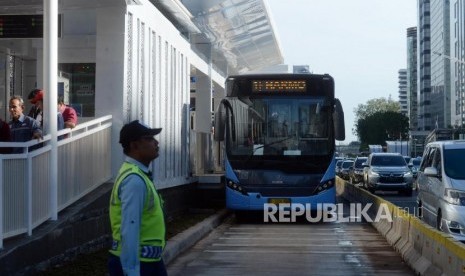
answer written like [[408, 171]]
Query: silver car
[[387, 171], [441, 187], [345, 168]]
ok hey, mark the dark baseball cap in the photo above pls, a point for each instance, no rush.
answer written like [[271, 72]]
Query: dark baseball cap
[[134, 130]]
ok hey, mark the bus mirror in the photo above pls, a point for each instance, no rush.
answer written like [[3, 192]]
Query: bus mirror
[[218, 132], [338, 118]]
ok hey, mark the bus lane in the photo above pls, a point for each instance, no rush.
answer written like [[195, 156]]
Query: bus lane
[[301, 248]]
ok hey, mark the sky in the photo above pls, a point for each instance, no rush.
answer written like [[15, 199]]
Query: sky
[[362, 44]]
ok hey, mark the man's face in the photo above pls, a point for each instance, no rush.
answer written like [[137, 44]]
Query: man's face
[[61, 107], [16, 109], [147, 149]]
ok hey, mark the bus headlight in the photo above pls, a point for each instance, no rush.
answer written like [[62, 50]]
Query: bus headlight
[[324, 186], [236, 187]]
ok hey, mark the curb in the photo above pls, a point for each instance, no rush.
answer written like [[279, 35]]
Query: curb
[[184, 240]]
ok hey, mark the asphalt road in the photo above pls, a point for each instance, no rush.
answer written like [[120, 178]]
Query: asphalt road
[[406, 202], [257, 248]]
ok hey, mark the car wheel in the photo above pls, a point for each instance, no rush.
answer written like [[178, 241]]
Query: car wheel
[[439, 221], [368, 188], [420, 210]]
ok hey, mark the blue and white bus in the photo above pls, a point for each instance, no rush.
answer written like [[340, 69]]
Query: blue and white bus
[[278, 133]]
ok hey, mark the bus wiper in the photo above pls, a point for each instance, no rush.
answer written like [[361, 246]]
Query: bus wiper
[[268, 145], [272, 143]]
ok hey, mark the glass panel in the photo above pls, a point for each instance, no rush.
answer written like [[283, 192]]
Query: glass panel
[[453, 163], [386, 160], [81, 77]]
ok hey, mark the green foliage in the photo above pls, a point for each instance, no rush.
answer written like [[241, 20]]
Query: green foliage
[[381, 126], [363, 111], [373, 106]]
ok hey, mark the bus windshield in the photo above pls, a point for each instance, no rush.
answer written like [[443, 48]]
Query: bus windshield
[[278, 134], [281, 126]]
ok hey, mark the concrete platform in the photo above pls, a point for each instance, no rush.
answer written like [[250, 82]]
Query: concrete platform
[[83, 228]]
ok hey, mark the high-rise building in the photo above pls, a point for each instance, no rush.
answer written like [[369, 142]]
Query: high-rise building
[[412, 93], [457, 59], [424, 66], [440, 66], [403, 91]]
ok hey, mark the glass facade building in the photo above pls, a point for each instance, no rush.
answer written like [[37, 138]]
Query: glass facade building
[[440, 66], [424, 66], [457, 38], [412, 95], [403, 91]]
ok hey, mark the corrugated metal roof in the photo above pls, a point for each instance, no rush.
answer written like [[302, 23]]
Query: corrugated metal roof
[[240, 31]]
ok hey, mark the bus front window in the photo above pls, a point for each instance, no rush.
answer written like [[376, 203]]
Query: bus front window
[[282, 126]]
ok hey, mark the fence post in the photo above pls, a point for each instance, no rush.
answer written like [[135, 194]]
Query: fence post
[[29, 194], [1, 203]]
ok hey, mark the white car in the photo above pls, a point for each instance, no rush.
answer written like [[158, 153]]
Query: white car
[[441, 183]]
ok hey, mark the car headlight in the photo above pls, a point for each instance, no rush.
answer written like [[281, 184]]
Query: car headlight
[[374, 173], [455, 227], [409, 173], [455, 197]]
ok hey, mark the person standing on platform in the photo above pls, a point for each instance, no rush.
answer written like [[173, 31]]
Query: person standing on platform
[[36, 97], [69, 114], [22, 128], [36, 111], [136, 214]]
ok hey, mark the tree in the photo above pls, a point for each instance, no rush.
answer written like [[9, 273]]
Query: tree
[[379, 127], [373, 106]]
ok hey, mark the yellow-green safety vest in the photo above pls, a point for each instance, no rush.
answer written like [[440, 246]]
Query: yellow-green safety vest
[[152, 228]]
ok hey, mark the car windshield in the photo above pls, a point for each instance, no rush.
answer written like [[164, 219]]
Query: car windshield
[[453, 163], [347, 164], [387, 160], [358, 163], [416, 162]]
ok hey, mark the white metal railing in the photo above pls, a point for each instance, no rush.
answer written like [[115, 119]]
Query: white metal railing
[[26, 196]]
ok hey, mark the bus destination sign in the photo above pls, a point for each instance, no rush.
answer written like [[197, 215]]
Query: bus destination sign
[[21, 26], [279, 86]]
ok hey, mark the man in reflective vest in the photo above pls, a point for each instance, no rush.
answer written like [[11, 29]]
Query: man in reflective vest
[[136, 214]]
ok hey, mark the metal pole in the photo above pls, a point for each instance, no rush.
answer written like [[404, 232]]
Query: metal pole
[[50, 72]]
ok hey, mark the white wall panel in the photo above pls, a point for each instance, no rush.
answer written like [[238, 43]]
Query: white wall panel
[[157, 89]]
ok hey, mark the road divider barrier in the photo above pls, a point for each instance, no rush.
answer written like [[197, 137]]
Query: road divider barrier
[[427, 250]]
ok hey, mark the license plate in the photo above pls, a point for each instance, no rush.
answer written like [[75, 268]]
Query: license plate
[[279, 201]]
